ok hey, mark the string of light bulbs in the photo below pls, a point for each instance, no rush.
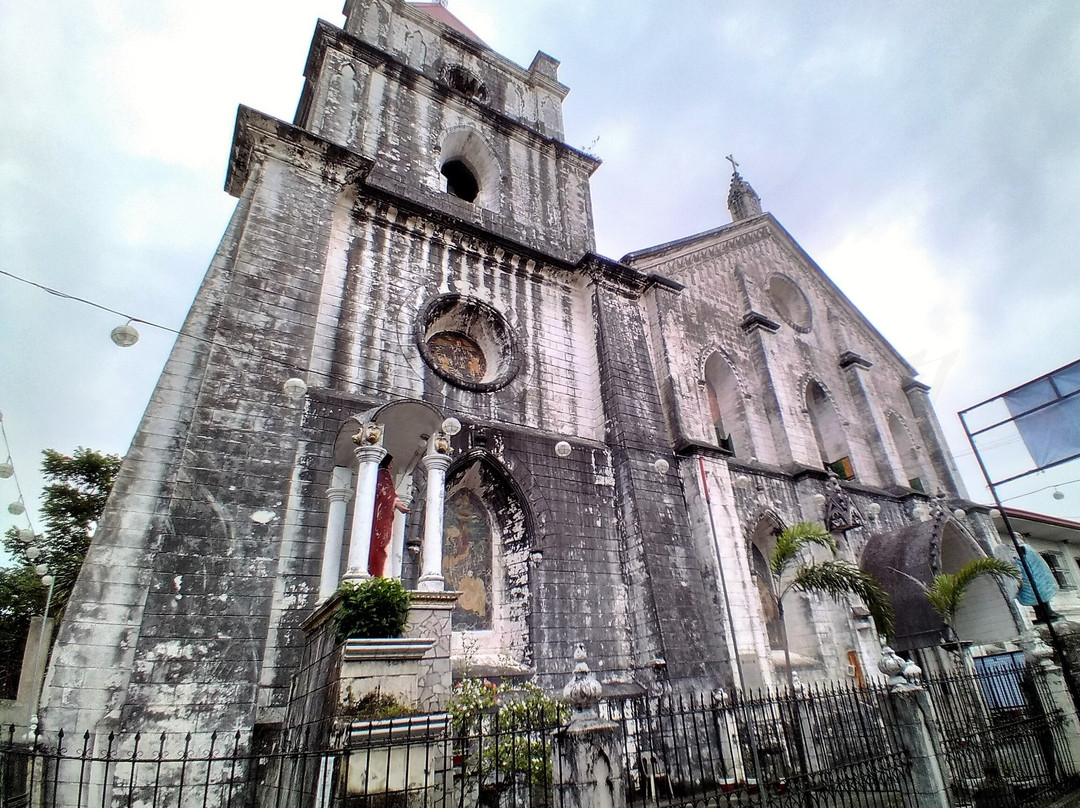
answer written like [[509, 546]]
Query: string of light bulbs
[[28, 535], [295, 388], [126, 336]]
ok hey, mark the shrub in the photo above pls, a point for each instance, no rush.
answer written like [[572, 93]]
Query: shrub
[[377, 607], [378, 705]]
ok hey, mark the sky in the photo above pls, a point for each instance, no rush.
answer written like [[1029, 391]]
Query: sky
[[925, 154]]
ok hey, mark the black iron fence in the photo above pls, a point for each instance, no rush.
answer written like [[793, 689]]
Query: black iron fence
[[1001, 737], [827, 745], [823, 746]]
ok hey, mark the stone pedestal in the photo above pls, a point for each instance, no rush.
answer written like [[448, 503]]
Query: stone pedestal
[[588, 754]]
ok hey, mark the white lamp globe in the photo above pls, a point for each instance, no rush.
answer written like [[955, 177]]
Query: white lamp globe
[[41, 569], [562, 449], [451, 426], [48, 580], [125, 335], [6, 469], [32, 553], [661, 465], [294, 388], [16, 508]]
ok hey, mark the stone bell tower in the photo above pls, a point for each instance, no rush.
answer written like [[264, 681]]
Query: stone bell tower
[[418, 236]]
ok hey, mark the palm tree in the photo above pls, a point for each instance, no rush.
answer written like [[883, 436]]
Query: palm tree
[[790, 572], [947, 591]]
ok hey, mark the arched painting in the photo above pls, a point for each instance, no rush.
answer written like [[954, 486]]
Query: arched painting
[[467, 559]]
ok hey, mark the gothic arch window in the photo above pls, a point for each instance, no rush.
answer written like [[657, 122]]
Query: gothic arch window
[[905, 449], [726, 413], [828, 431], [485, 557], [470, 169]]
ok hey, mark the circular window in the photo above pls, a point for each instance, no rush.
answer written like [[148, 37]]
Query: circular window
[[467, 343], [790, 302]]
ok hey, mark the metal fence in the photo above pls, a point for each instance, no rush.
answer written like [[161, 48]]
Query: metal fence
[[826, 746], [1000, 739]]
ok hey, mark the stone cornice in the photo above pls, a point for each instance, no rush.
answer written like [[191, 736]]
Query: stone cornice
[[756, 321], [258, 133], [851, 359]]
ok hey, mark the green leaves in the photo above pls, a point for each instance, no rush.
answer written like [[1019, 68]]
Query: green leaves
[[946, 592], [377, 607], [836, 578], [72, 502], [793, 540]]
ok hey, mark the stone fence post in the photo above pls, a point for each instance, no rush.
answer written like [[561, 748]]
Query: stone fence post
[[588, 760], [918, 733]]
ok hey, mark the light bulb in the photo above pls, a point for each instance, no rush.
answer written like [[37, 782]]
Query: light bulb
[[6, 470], [48, 580], [451, 426], [32, 553], [41, 569], [661, 465], [562, 449], [16, 508]]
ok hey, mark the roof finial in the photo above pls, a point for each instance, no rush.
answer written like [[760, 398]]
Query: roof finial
[[742, 200]]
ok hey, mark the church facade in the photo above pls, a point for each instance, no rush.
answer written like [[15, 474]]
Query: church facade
[[589, 450]]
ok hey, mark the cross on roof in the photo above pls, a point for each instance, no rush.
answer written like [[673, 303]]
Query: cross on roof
[[734, 165]]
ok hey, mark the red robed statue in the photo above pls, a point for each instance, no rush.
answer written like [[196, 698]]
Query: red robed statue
[[382, 524]]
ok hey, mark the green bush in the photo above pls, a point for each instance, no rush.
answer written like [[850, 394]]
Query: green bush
[[377, 607], [378, 705]]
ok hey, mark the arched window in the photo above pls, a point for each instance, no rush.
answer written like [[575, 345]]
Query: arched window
[[470, 169], [828, 432], [726, 412], [460, 180], [905, 448]]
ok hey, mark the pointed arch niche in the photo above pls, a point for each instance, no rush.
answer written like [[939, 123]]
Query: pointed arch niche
[[486, 558], [726, 412], [801, 637], [910, 471], [828, 431]]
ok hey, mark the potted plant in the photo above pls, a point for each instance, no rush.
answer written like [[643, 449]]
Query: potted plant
[[375, 608]]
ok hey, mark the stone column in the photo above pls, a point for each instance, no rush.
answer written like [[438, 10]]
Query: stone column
[[397, 543], [436, 462], [588, 765], [369, 453], [917, 733], [338, 495]]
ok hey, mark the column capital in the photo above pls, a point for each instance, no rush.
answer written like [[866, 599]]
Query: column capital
[[338, 493], [371, 453], [435, 460]]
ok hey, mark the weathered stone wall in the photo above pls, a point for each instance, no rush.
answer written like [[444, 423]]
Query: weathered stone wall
[[410, 96], [727, 277]]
